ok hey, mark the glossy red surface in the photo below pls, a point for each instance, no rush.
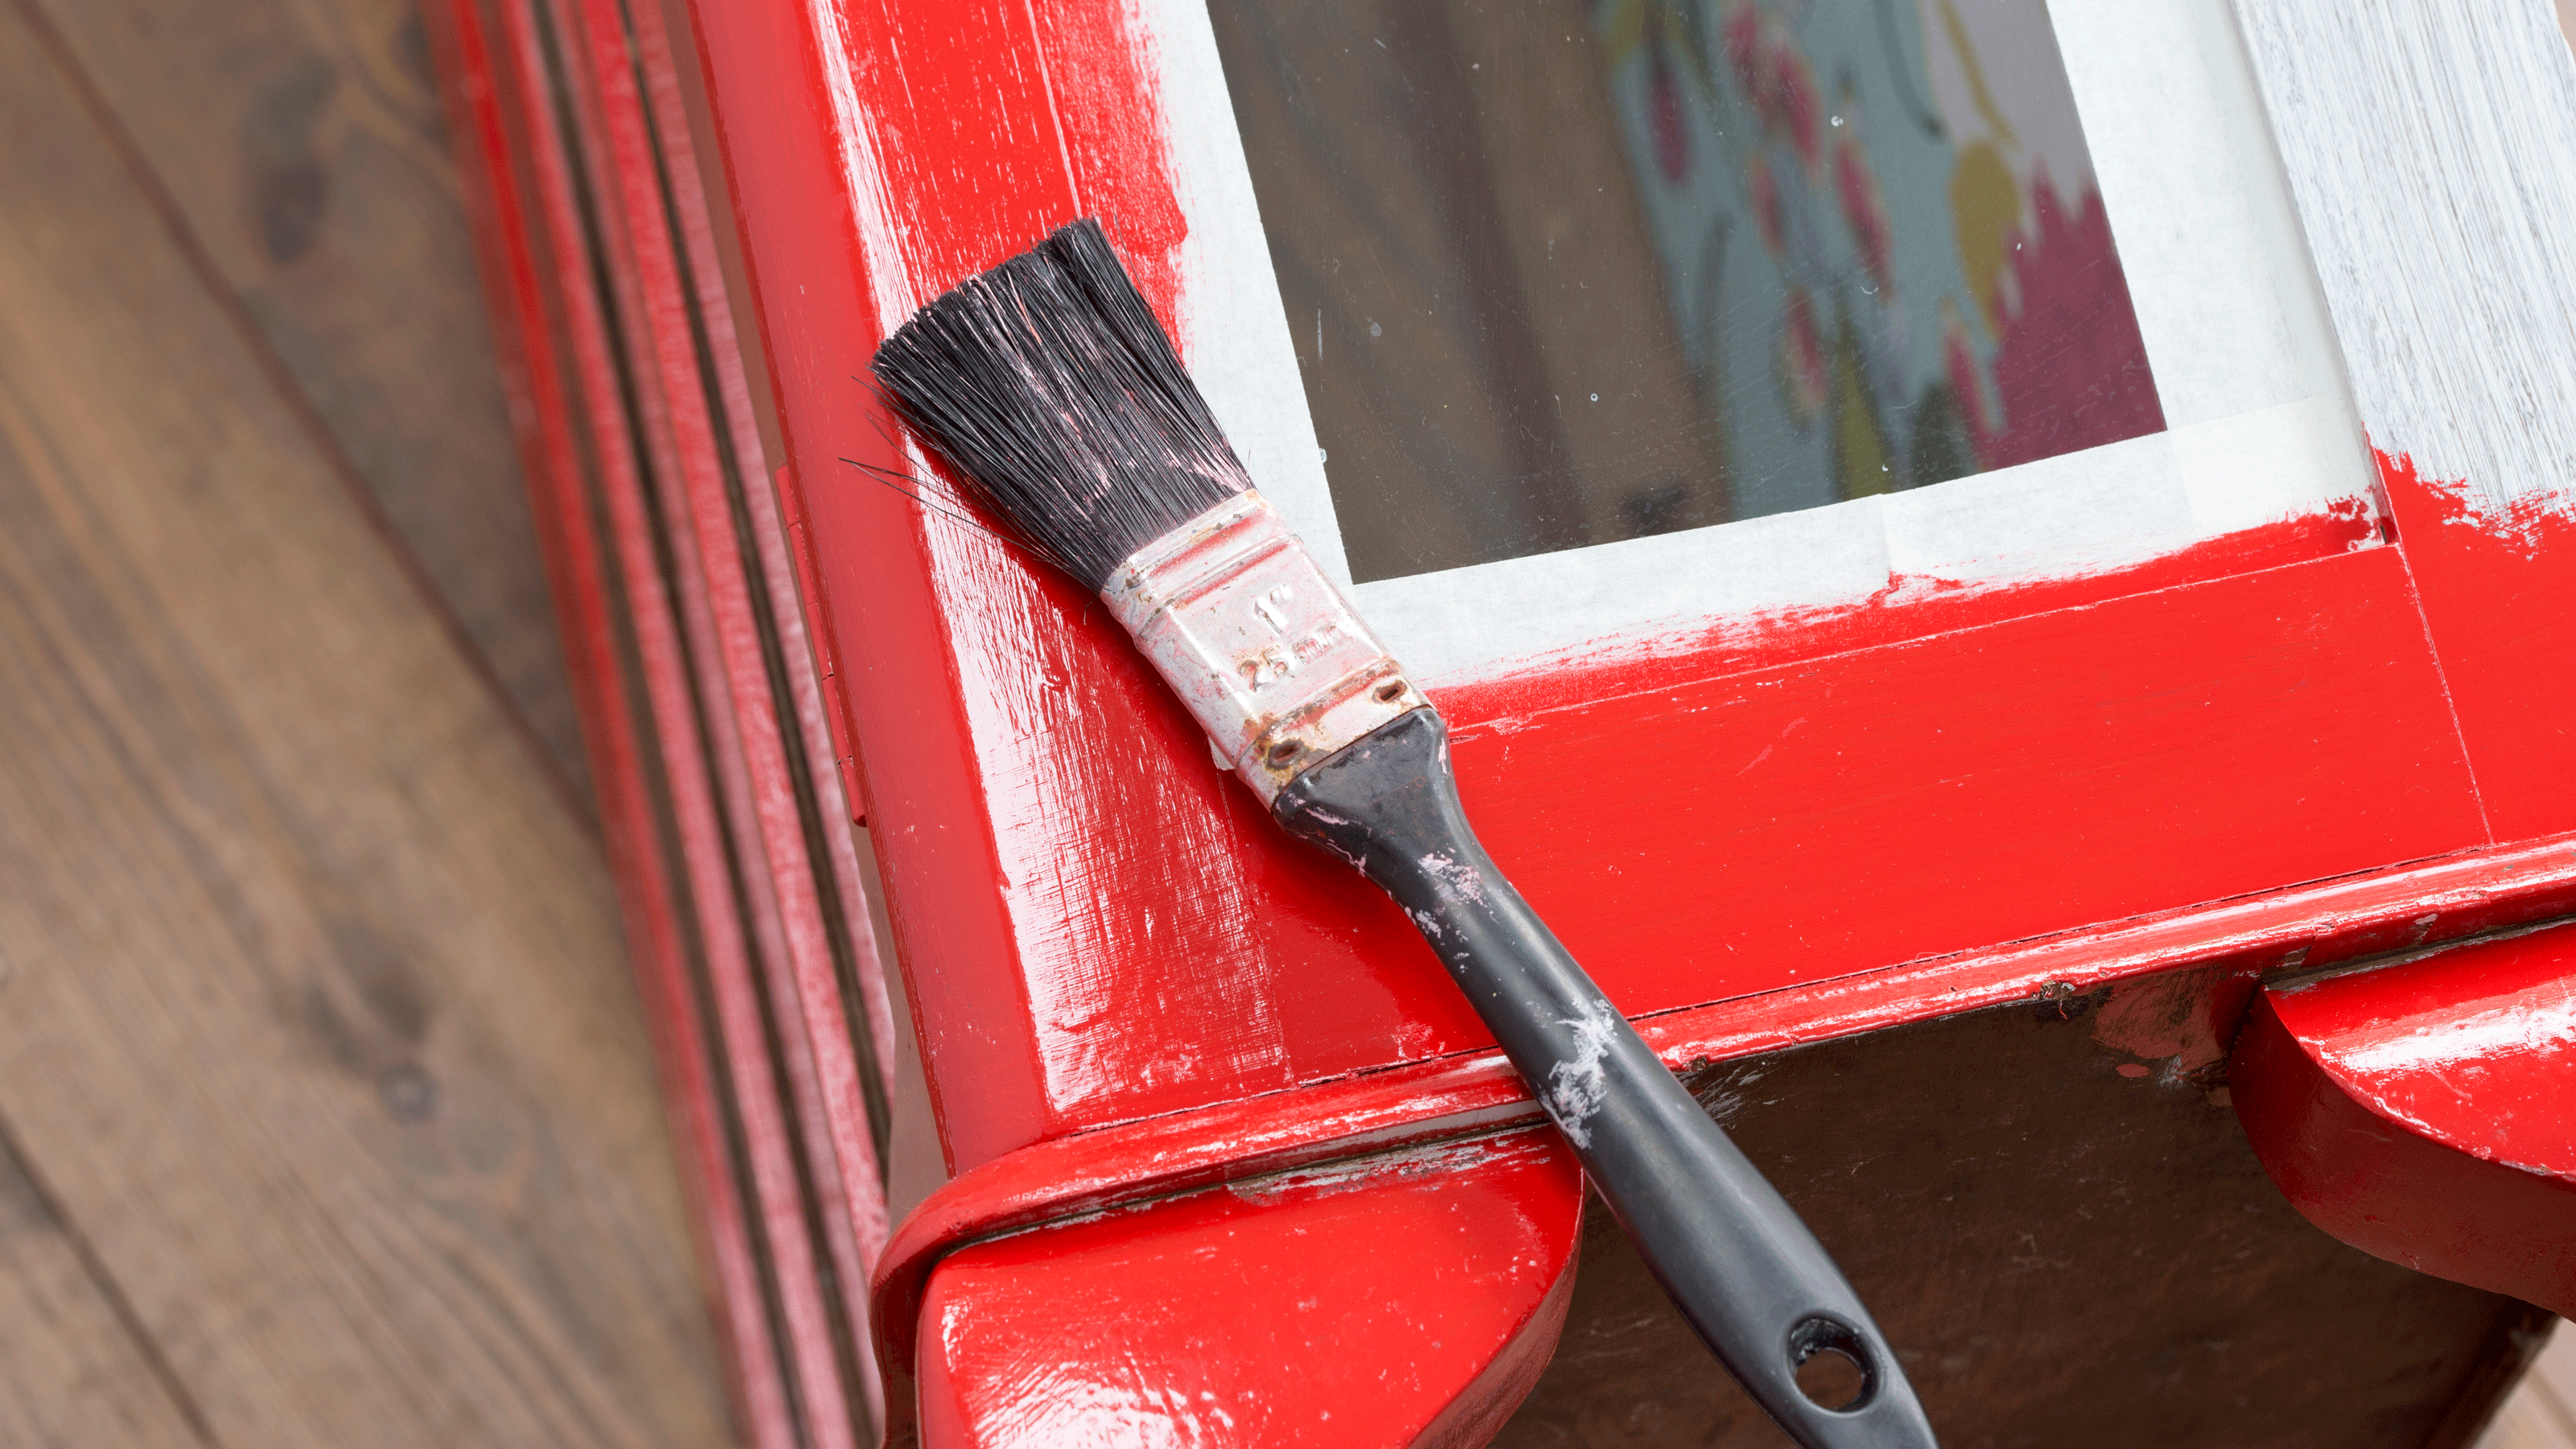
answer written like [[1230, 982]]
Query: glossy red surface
[[771, 100], [2206, 958], [1124, 981], [1987, 785], [2422, 1111], [1935, 773], [487, 98], [2499, 598], [2474, 1048], [1228, 1317], [764, 529]]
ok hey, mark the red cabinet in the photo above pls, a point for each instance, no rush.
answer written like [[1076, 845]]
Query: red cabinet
[[1944, 836]]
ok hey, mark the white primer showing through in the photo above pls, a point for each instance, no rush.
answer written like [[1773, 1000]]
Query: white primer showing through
[[890, 280], [2259, 427]]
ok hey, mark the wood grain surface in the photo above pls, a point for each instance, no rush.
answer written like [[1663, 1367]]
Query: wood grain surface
[[71, 1373], [297, 148], [2541, 1414], [315, 1029]]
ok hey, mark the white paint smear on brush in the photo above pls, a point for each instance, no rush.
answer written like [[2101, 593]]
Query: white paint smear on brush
[[1577, 1086]]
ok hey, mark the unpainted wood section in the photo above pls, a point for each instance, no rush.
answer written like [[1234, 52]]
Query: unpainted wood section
[[317, 1023], [300, 143], [71, 1375], [2060, 1252]]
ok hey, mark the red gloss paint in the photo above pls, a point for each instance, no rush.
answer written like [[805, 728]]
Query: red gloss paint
[[1200, 1316], [2314, 925], [1125, 980], [2419, 1111], [2499, 600], [1099, 927]]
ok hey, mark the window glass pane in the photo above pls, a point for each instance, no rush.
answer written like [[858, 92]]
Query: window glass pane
[[1563, 273]]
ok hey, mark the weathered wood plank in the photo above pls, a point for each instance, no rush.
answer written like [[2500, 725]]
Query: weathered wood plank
[[71, 1376], [300, 146], [2541, 1414], [317, 1023]]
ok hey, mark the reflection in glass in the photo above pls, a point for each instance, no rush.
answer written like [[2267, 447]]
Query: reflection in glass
[[1564, 273]]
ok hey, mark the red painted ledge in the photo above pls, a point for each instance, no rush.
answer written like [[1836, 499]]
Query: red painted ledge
[[2444, 899], [1226, 1318], [2424, 1111]]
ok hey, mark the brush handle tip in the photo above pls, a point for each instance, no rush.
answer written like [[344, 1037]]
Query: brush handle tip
[[1743, 1269]]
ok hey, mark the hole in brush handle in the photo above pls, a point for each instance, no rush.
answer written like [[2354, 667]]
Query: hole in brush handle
[[1835, 1369]]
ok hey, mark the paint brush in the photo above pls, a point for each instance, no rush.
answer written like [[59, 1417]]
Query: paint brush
[[1048, 384]]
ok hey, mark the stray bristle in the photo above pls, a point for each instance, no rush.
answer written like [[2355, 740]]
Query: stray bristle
[[1049, 384]]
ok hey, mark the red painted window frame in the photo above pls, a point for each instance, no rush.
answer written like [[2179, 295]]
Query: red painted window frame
[[2286, 747], [2247, 716]]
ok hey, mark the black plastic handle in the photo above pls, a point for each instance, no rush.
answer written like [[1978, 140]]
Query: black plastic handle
[[1729, 1249]]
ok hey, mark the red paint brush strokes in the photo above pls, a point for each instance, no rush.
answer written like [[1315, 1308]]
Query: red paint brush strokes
[[988, 711], [2498, 590], [876, 600], [2034, 775], [996, 124], [1115, 140]]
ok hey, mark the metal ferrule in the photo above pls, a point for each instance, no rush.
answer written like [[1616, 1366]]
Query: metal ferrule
[[1262, 647]]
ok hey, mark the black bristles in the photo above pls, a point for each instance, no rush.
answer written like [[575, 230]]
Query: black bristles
[[1048, 383]]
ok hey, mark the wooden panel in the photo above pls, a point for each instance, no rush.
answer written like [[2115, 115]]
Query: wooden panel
[[2541, 1414], [298, 149], [2425, 147], [768, 1037], [318, 1023], [70, 1372]]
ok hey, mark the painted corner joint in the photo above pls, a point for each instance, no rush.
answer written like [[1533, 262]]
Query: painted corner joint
[[1269, 656]]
